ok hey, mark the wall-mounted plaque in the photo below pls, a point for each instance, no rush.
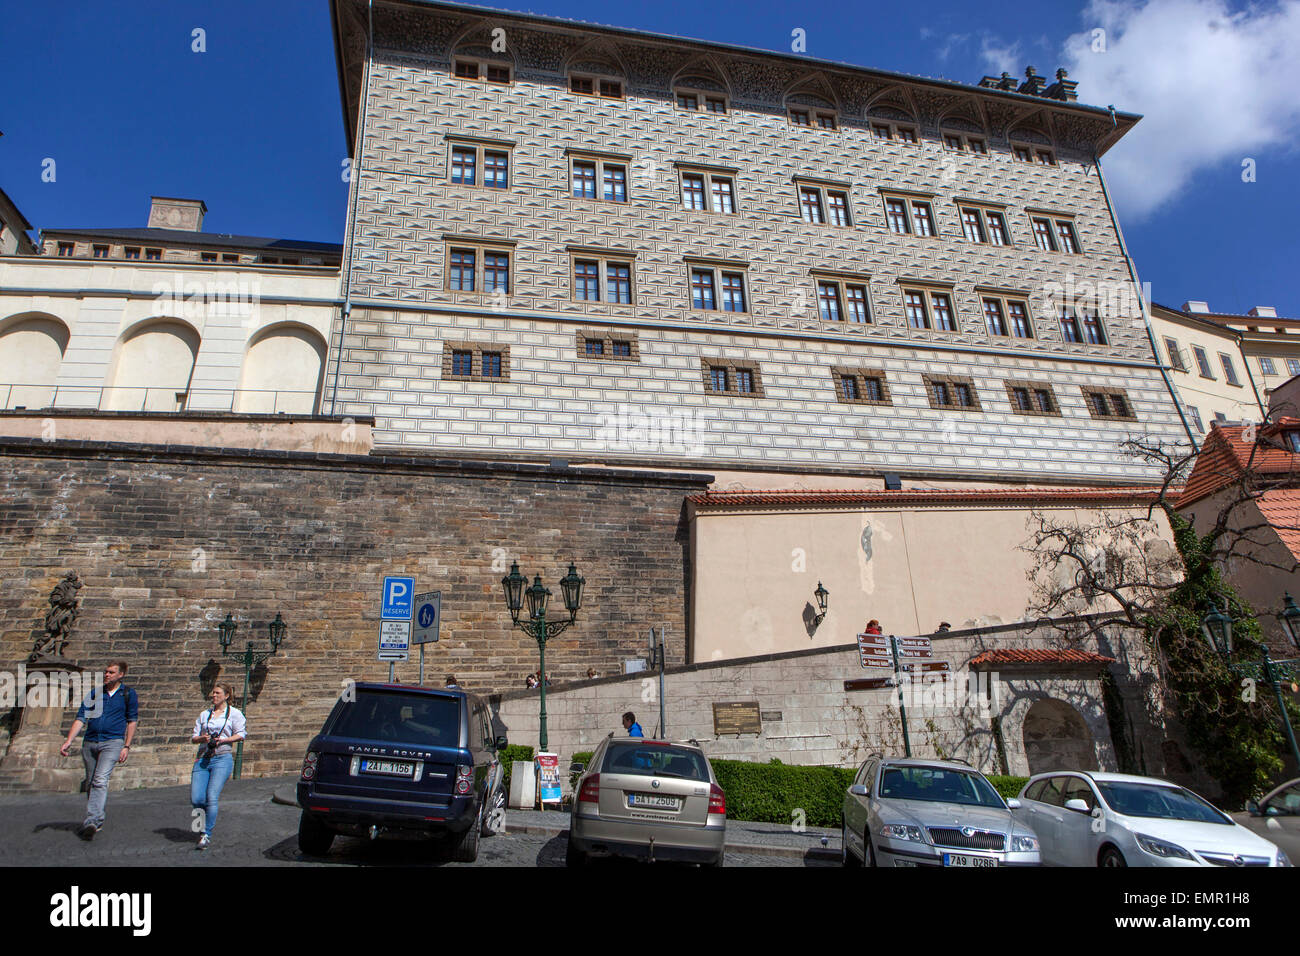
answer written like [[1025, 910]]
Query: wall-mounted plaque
[[771, 715], [737, 717]]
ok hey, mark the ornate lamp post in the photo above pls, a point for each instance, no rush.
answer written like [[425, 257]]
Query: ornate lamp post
[[250, 658], [1217, 628], [536, 625], [821, 594]]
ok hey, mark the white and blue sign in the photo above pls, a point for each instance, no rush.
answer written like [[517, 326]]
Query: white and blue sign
[[398, 598], [428, 614]]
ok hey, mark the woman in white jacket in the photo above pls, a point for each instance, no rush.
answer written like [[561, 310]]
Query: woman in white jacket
[[215, 731]]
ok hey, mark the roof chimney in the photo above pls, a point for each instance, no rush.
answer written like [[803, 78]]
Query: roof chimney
[[183, 214], [1264, 312], [1193, 306]]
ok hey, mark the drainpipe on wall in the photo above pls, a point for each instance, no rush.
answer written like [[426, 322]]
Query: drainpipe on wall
[[1251, 375], [1137, 287], [355, 191]]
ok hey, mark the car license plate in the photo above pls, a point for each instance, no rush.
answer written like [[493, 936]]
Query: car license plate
[[389, 768], [652, 800], [961, 859]]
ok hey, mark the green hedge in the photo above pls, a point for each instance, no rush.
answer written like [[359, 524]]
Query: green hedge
[[771, 793], [1007, 786]]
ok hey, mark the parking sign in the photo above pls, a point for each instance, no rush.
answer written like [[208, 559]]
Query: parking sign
[[397, 600]]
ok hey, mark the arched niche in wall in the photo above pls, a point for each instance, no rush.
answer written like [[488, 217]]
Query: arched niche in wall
[[31, 350], [153, 364], [282, 372]]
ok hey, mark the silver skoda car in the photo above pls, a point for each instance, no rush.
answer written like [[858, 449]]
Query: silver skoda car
[[913, 812]]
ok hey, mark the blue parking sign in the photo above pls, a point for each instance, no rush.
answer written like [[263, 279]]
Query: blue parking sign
[[397, 600]]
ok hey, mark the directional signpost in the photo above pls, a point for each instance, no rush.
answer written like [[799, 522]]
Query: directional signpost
[[395, 608], [428, 615], [873, 650], [877, 650]]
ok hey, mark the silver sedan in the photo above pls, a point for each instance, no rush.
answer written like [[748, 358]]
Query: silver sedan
[[912, 812]]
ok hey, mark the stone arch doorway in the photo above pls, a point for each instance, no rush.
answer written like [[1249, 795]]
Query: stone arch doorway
[[1057, 738]]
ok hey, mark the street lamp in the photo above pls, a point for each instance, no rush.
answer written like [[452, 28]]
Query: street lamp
[[1217, 627], [1291, 620], [821, 594], [537, 626], [250, 657], [658, 656]]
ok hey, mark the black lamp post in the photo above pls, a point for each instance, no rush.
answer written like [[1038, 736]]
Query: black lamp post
[[250, 657], [821, 594], [1217, 628], [536, 625]]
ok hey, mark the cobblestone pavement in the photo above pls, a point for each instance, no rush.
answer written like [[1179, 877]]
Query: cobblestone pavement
[[153, 828]]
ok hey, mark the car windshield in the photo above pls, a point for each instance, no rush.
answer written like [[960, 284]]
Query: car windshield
[[399, 718], [938, 785], [650, 760], [1165, 803]]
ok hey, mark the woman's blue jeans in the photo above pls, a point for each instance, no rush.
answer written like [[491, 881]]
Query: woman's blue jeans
[[209, 776]]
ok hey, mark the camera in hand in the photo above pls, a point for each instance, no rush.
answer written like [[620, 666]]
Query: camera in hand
[[212, 744]]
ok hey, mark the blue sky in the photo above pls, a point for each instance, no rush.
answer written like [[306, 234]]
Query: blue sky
[[114, 94]]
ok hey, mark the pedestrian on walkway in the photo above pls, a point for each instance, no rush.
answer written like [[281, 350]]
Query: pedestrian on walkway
[[216, 729], [631, 726], [110, 716], [873, 626]]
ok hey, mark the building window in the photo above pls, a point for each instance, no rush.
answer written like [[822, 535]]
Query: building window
[[1065, 233], [806, 116], [708, 192], [1044, 157], [1007, 317], [1292, 441], [477, 268], [1023, 153], [726, 377], [708, 280], [840, 298], [475, 362], [1070, 330], [918, 316], [468, 158], [1196, 419], [467, 69], [810, 205], [597, 86], [1032, 398], [207, 257], [602, 280], [1266, 366], [226, 257], [66, 248], [861, 386], [1043, 235], [101, 252], [1293, 366], [698, 100], [131, 252], [919, 305], [947, 391], [889, 131], [1108, 403], [823, 205], [1093, 331], [1229, 370], [153, 255], [907, 216], [984, 225], [599, 179], [1054, 234], [1175, 355], [960, 142], [1202, 362], [608, 346]]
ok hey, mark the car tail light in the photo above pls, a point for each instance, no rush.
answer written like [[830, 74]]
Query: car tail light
[[590, 790], [717, 800], [463, 779], [309, 765]]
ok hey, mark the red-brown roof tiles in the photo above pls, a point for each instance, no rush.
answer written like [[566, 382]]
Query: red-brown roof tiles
[[1225, 456], [1034, 655], [1026, 496]]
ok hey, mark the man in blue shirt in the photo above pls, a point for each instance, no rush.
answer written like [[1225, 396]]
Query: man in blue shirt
[[631, 726], [110, 717]]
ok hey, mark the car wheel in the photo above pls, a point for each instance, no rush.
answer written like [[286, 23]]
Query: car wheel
[[718, 861], [871, 850], [572, 855], [494, 821], [313, 838], [465, 850], [846, 855], [1112, 857]]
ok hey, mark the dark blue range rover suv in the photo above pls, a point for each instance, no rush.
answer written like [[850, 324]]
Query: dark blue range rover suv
[[403, 761]]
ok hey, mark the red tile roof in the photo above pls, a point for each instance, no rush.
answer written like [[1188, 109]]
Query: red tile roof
[[1225, 456], [1281, 509], [1036, 655], [1025, 496]]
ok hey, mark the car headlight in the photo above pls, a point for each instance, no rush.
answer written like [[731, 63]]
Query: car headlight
[[1282, 858], [1161, 849], [902, 831], [1023, 844]]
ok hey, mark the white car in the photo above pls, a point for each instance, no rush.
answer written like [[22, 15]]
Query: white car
[[1084, 818]]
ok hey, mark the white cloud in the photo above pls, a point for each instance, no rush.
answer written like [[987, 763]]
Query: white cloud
[[1214, 87], [1000, 58]]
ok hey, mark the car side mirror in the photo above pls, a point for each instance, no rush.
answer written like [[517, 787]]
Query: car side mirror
[[1077, 805], [1252, 807], [1013, 804], [500, 743], [858, 790], [577, 767]]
